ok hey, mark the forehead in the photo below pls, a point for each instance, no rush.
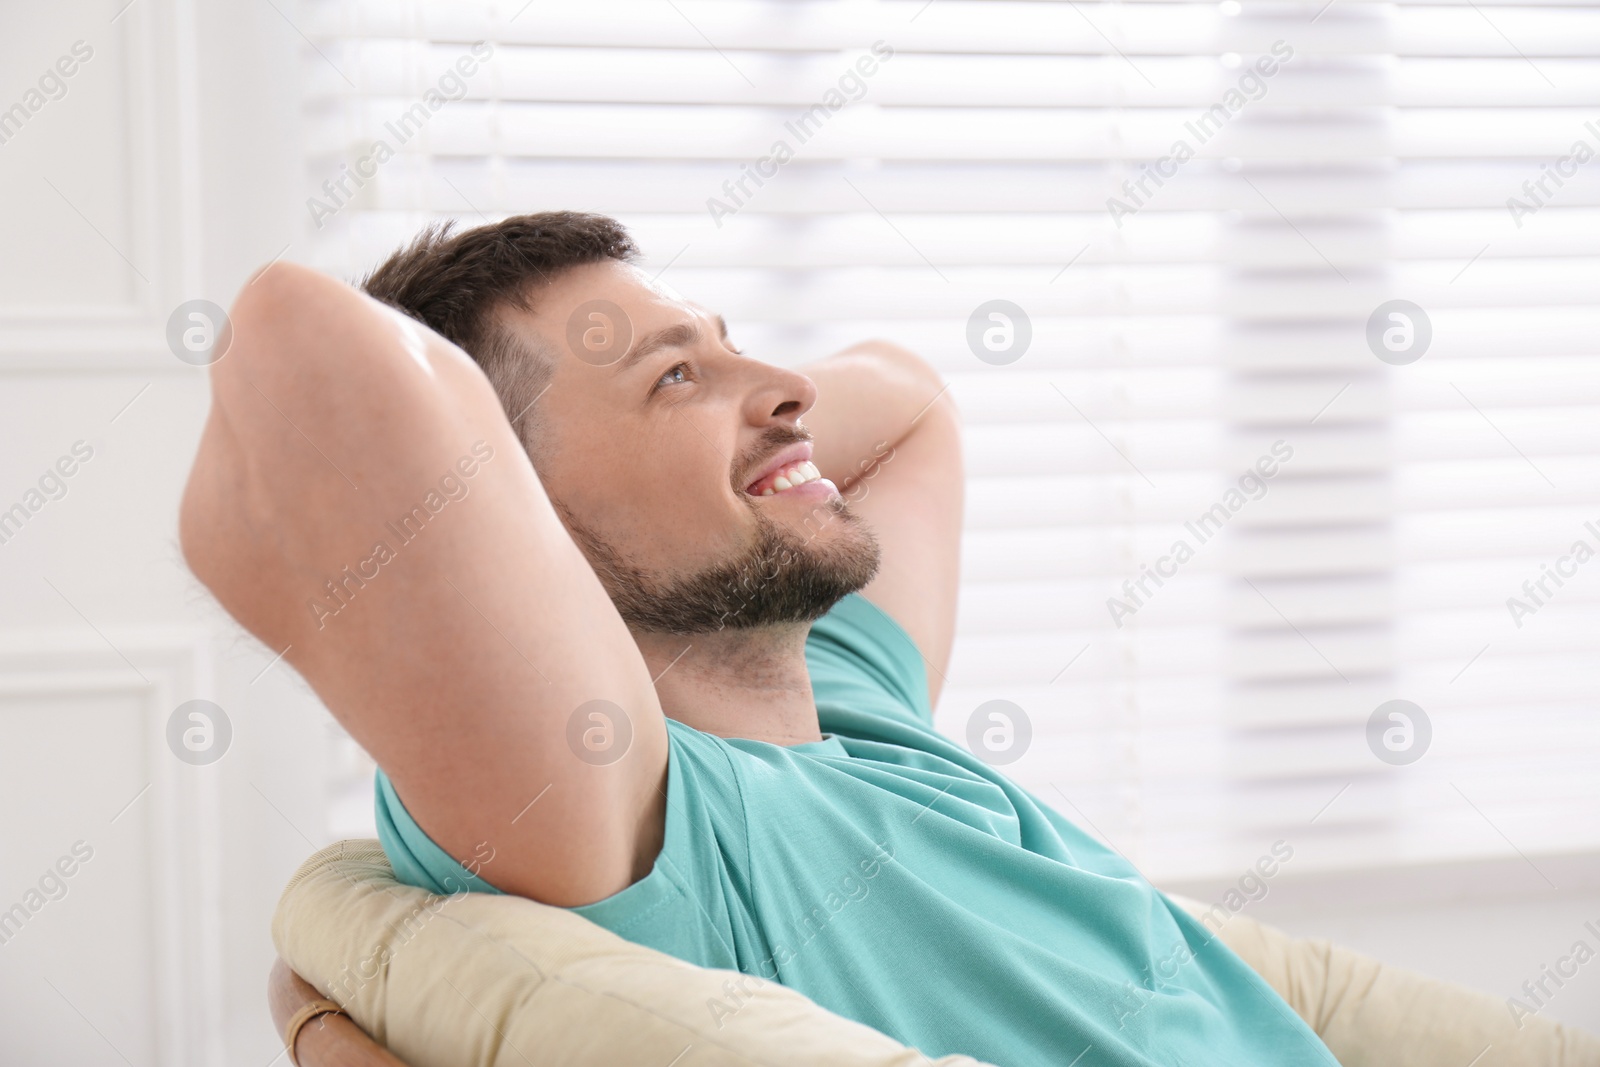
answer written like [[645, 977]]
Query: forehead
[[612, 317], [646, 302]]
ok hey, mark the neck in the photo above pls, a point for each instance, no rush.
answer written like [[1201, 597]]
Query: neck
[[750, 683]]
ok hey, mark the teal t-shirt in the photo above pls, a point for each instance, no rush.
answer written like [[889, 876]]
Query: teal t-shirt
[[894, 878]]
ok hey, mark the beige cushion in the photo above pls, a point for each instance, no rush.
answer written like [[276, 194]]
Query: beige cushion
[[477, 979], [474, 980]]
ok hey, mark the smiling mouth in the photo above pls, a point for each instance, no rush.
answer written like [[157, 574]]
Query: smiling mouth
[[786, 478]]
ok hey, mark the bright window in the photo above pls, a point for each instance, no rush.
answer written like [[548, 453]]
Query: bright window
[[1198, 208]]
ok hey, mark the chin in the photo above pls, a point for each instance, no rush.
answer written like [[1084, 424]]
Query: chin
[[787, 573]]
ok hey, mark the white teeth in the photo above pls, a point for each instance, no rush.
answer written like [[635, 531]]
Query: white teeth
[[799, 474]]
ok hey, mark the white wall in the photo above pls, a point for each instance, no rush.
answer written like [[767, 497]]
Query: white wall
[[1490, 925], [167, 171]]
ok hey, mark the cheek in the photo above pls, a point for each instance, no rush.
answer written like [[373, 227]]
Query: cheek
[[658, 489], [653, 512]]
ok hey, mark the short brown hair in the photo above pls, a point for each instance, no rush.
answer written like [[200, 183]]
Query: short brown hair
[[458, 283]]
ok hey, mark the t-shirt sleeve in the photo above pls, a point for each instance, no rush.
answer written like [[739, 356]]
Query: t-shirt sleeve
[[416, 859], [863, 664], [688, 906]]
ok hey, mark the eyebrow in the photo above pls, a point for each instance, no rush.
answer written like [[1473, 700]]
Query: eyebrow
[[680, 335]]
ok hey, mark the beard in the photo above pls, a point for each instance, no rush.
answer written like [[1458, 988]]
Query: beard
[[782, 577]]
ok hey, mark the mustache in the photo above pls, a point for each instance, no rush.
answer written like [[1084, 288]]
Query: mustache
[[772, 440]]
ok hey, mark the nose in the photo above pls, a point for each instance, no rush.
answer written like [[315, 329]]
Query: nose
[[778, 395]]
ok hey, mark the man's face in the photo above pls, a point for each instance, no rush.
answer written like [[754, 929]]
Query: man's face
[[660, 443]]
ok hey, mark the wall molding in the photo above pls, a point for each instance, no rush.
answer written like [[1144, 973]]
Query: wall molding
[[169, 666], [158, 165]]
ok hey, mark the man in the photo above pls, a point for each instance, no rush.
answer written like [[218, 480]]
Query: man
[[639, 625]]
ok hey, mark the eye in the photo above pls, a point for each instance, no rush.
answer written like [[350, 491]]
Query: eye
[[676, 376]]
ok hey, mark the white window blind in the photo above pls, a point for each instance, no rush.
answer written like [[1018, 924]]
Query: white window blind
[[1179, 334]]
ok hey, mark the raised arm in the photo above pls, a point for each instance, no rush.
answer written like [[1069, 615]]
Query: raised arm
[[360, 503], [888, 435]]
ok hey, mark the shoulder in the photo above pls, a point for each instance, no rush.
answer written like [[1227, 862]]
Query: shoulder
[[861, 657]]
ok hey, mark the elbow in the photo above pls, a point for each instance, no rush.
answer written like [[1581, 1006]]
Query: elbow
[[280, 286], [902, 359], [198, 510], [246, 334], [285, 312], [909, 372], [922, 380]]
